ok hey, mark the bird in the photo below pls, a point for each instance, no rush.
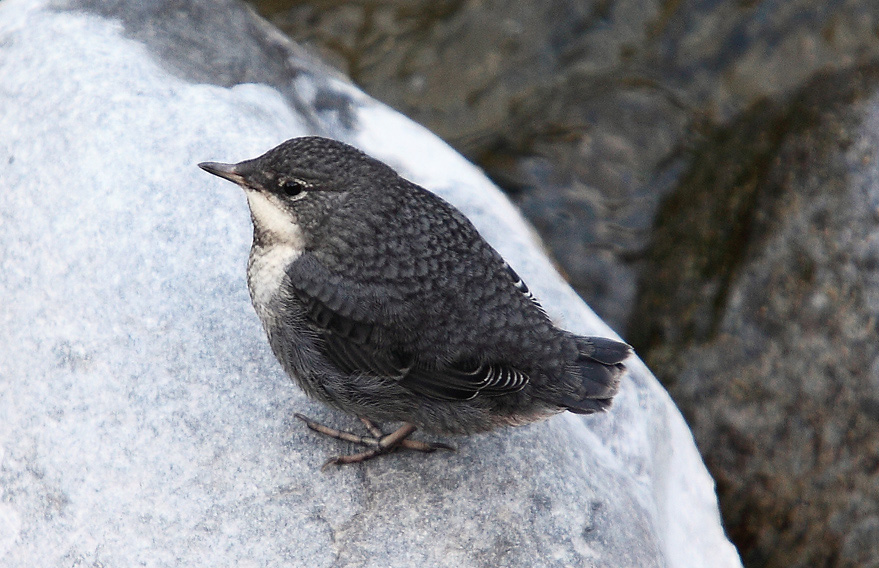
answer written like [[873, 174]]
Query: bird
[[382, 300]]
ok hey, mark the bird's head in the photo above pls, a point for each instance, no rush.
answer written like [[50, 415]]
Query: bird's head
[[294, 187]]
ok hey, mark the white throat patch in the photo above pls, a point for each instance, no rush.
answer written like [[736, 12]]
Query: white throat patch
[[271, 218], [268, 264]]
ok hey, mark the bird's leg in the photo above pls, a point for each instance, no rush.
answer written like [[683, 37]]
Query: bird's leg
[[380, 442], [406, 442], [386, 444], [373, 429]]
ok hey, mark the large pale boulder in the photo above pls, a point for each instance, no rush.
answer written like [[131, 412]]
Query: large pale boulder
[[143, 420]]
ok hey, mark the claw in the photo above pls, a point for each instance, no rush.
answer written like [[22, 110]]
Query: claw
[[379, 442]]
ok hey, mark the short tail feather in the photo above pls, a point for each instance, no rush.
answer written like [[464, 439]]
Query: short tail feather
[[596, 378]]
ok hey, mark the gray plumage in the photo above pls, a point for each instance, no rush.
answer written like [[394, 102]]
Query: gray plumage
[[382, 300]]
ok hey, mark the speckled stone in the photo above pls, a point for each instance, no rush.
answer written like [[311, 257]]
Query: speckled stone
[[144, 419]]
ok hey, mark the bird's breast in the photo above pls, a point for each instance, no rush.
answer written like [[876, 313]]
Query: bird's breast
[[266, 270]]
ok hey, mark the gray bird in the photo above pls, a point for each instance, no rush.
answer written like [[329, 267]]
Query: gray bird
[[382, 300]]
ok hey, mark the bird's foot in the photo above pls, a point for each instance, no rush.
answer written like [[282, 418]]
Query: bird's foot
[[379, 442]]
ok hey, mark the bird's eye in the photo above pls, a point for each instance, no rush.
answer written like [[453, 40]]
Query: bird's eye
[[292, 187]]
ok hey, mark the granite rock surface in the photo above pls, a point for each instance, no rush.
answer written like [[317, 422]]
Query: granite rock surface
[[144, 420]]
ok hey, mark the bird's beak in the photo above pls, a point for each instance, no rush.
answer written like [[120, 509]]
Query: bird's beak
[[225, 171]]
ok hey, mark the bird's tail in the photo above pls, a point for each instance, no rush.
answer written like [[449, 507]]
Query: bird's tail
[[594, 377]]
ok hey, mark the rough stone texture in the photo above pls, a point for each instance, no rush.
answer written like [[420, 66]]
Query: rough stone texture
[[581, 108], [144, 420], [768, 330]]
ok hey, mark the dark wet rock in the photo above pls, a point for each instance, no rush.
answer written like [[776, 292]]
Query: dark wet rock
[[760, 304]]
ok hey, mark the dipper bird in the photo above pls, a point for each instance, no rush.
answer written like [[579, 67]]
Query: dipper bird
[[382, 300]]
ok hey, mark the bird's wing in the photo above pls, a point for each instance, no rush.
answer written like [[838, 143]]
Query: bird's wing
[[460, 382], [366, 329]]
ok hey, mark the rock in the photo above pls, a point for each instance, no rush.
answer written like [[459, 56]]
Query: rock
[[766, 326], [144, 418]]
